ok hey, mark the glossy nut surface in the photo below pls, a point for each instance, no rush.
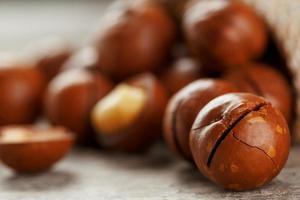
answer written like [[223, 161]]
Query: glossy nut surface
[[264, 80], [183, 108], [71, 96], [239, 141], [26, 149], [140, 133], [224, 33], [84, 58], [182, 72], [133, 39], [21, 89]]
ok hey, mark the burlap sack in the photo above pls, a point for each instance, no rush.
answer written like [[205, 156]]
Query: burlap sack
[[283, 19]]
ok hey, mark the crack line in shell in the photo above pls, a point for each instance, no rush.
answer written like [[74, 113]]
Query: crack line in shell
[[251, 146], [228, 130]]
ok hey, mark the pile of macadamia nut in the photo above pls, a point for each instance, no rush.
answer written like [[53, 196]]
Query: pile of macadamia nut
[[196, 71]]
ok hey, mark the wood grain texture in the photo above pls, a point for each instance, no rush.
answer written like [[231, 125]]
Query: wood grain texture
[[94, 174]]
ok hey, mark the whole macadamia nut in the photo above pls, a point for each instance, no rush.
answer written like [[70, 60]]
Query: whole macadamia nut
[[21, 87], [240, 141], [71, 96], [264, 80], [129, 117], [183, 108], [181, 72], [134, 38], [224, 33]]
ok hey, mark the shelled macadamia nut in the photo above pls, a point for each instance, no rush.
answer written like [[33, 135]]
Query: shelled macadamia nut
[[240, 141], [135, 37], [70, 97], [21, 89], [264, 80], [183, 108], [224, 33], [129, 117], [27, 149]]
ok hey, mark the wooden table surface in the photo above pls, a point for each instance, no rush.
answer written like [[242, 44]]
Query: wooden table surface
[[88, 174]]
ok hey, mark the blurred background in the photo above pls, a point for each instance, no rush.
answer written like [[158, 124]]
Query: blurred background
[[23, 21]]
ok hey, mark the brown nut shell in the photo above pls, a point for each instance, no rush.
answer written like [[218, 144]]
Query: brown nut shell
[[71, 96], [147, 127], [183, 108], [182, 72], [138, 39], [224, 33], [239, 141], [263, 80], [34, 155], [21, 89]]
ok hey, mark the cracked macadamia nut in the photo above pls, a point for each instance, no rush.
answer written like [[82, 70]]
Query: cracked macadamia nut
[[182, 72], [134, 38], [224, 33], [240, 141], [27, 149], [129, 117], [183, 108], [71, 96], [264, 80], [21, 88]]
